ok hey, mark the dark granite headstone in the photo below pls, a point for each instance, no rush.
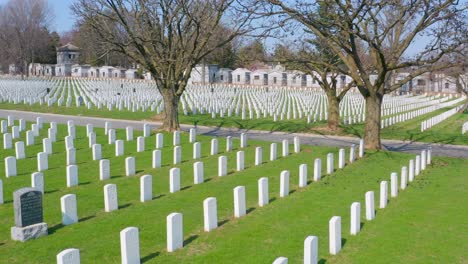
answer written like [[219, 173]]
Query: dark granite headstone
[[28, 207]]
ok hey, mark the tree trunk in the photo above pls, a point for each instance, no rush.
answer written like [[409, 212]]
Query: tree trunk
[[372, 125], [333, 112], [171, 109]]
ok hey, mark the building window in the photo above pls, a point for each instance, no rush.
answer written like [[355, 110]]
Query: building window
[[421, 82], [221, 77], [238, 78], [294, 79], [274, 80], [256, 77], [447, 85]]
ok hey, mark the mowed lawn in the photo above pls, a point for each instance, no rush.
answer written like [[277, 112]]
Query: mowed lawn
[[425, 224]]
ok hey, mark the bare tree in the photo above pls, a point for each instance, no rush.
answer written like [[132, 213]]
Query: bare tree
[[24, 27], [386, 30], [168, 37]]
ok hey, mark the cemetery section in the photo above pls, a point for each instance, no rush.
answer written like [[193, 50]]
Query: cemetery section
[[113, 210], [289, 109]]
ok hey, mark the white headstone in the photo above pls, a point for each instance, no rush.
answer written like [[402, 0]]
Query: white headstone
[[69, 256], [97, 152], [429, 155], [303, 175], [210, 214], [71, 156], [263, 194], [335, 235], [119, 148], [284, 183], [311, 250], [240, 160], [341, 158], [222, 166], [174, 180], [72, 131], [175, 234], [355, 218], [89, 129], [281, 260], [273, 151], [297, 144], [140, 144], [69, 142], [198, 176], [228, 143], [130, 246], [19, 148], [130, 166], [104, 169], [317, 169], [91, 139], [156, 159], [177, 155], [383, 194], [370, 208], [196, 150], [15, 132], [417, 168], [69, 209], [146, 188], [159, 140], [1, 192], [146, 130], [411, 171], [239, 201], [29, 138], [352, 153], [176, 138], [243, 140], [404, 177], [42, 161], [107, 126], [214, 146], [285, 148], [129, 133], [35, 130], [111, 136], [7, 141], [110, 198], [361, 148], [52, 134], [193, 135], [37, 181], [423, 160], [394, 184], [10, 166], [72, 175], [330, 163]]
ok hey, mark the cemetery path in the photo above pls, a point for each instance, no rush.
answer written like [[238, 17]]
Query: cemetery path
[[309, 139]]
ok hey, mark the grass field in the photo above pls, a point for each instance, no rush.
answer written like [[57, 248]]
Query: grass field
[[423, 225]]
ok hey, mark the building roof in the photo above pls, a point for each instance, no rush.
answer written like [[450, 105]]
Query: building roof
[[68, 47]]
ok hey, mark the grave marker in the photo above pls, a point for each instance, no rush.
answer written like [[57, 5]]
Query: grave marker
[[27, 203]]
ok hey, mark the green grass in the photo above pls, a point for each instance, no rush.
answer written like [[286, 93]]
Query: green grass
[[429, 207]]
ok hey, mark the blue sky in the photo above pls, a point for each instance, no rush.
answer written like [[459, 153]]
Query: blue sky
[[63, 18]]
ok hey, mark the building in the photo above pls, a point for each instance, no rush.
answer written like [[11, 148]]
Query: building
[[131, 74], [67, 55], [241, 76], [209, 72], [93, 72], [224, 75], [80, 70]]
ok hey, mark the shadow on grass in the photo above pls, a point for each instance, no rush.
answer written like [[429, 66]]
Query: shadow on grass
[[51, 191], [251, 209], [149, 257], [322, 261], [272, 200], [362, 225], [86, 218], [54, 228], [159, 196], [85, 183], [124, 206], [190, 239], [221, 223], [186, 187], [343, 242]]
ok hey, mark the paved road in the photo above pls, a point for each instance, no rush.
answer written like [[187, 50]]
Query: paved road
[[309, 139]]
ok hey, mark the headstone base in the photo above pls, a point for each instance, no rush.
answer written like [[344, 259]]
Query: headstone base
[[28, 232]]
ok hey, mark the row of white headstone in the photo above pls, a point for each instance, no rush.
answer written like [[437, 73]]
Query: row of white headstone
[[426, 124], [129, 237], [407, 175]]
